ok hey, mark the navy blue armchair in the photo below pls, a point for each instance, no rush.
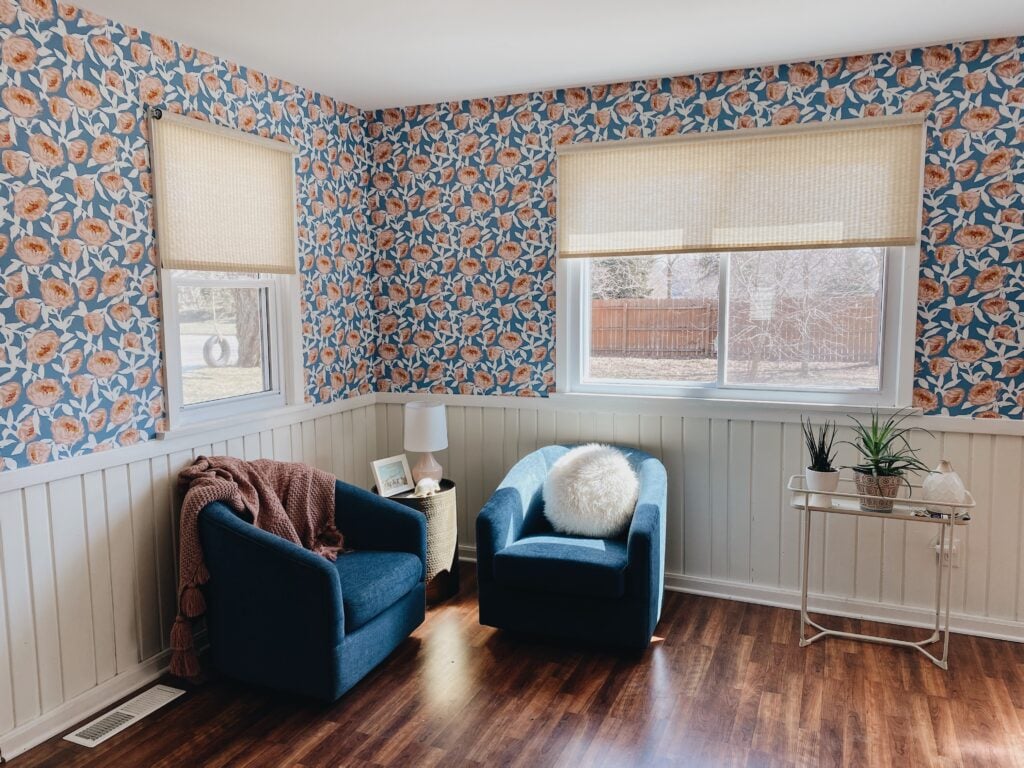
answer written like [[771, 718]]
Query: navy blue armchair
[[282, 617], [600, 591]]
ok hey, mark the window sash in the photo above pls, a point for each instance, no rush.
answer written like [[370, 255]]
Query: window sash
[[179, 413], [895, 339]]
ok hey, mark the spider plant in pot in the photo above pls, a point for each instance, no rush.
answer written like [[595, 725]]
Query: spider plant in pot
[[886, 457], [822, 474]]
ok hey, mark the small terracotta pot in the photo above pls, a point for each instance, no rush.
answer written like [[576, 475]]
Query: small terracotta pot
[[869, 486]]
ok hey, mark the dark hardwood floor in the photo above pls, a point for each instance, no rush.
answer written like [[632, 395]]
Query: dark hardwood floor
[[724, 684]]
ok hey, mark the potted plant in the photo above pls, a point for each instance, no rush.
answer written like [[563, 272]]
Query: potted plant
[[822, 475], [886, 458]]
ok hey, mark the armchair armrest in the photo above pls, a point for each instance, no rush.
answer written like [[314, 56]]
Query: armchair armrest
[[645, 543], [500, 522], [369, 521], [265, 594]]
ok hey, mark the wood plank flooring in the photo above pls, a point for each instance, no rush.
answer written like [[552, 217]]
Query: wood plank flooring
[[724, 684]]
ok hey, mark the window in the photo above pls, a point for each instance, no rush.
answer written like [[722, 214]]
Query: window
[[764, 265], [225, 207], [807, 324], [223, 338]]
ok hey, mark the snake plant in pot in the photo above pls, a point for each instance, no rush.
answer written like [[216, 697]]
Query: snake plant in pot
[[886, 457], [822, 474]]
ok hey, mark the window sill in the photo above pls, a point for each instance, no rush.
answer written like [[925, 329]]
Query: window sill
[[718, 406], [285, 412]]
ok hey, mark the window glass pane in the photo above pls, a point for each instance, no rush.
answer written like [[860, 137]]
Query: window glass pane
[[805, 319], [654, 318], [223, 341]]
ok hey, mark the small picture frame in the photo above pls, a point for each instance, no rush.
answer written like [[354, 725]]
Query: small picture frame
[[392, 475]]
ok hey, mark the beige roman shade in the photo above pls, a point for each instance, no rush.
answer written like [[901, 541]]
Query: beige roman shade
[[225, 200], [845, 183]]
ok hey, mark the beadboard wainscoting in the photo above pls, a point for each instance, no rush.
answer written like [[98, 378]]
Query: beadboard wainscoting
[[87, 545], [731, 531], [88, 565]]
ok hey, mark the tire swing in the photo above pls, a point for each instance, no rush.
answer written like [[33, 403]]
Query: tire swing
[[216, 351]]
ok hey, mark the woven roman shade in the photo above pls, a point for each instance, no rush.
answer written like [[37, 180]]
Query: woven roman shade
[[846, 183], [225, 200]]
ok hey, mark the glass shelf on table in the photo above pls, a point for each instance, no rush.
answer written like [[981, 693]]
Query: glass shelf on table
[[905, 506]]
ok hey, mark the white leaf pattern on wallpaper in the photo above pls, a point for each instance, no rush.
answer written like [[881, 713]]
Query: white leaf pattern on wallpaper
[[427, 233], [80, 363], [463, 206]]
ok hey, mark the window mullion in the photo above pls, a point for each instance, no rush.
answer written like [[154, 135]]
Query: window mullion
[[723, 311]]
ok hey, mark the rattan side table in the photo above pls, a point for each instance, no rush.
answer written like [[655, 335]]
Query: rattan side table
[[442, 539]]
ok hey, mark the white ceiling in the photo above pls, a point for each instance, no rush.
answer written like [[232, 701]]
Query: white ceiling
[[402, 52]]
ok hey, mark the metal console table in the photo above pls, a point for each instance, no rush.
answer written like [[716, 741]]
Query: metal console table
[[905, 508]]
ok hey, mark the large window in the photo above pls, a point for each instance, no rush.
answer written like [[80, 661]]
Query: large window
[[773, 324], [771, 264], [225, 222]]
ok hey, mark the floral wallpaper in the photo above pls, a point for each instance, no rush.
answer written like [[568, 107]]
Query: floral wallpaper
[[79, 343], [428, 233], [462, 198]]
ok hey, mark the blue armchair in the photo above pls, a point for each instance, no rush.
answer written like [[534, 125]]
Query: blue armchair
[[282, 617], [534, 580]]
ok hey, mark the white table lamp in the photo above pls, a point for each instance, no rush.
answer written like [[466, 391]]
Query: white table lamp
[[425, 431]]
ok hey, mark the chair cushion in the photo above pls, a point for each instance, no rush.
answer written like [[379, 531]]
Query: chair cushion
[[372, 582], [570, 565]]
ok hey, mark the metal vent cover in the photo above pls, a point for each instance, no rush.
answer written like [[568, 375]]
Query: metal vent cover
[[116, 720]]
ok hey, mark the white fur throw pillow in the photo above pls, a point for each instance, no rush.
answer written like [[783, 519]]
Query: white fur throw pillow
[[591, 491]]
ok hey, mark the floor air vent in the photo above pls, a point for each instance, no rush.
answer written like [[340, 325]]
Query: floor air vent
[[131, 711]]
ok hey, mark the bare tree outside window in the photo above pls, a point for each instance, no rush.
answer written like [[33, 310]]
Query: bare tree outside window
[[222, 336], [803, 319]]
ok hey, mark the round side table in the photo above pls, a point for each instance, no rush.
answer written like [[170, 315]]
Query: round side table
[[442, 539]]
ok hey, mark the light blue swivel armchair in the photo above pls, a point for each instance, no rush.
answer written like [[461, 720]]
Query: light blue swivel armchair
[[599, 591]]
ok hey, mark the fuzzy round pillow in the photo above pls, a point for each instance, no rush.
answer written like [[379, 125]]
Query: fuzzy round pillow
[[591, 491]]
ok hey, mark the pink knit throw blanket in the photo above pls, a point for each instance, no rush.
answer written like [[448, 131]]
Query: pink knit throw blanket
[[293, 501]]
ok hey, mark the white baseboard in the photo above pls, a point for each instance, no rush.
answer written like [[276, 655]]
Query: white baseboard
[[780, 597], [82, 706]]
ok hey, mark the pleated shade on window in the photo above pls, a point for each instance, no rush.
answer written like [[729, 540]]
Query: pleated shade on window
[[225, 200], [841, 184]]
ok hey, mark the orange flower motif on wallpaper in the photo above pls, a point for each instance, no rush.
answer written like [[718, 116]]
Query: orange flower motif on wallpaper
[[80, 368], [478, 227]]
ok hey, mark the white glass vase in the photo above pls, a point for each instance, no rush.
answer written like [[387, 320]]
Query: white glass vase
[[944, 485]]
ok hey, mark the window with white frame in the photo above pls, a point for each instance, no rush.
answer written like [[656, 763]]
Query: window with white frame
[[226, 237], [665, 288]]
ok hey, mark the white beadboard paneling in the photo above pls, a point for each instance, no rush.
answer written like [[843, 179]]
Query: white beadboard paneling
[[101, 588], [1005, 530], [88, 568], [163, 517], [672, 457], [18, 601], [39, 527], [720, 483], [6, 676], [122, 567], [140, 480], [74, 602], [696, 512], [766, 482]]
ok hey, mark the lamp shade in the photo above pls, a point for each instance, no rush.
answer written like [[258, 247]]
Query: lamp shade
[[425, 427]]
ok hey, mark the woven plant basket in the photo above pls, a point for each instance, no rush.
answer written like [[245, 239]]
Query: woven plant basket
[[870, 487]]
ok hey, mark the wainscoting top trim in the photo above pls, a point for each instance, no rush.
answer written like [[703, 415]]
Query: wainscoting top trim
[[710, 409], [658, 406], [220, 430]]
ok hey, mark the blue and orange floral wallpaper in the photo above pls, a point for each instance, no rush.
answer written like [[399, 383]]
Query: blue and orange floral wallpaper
[[428, 233], [463, 201], [80, 353]]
